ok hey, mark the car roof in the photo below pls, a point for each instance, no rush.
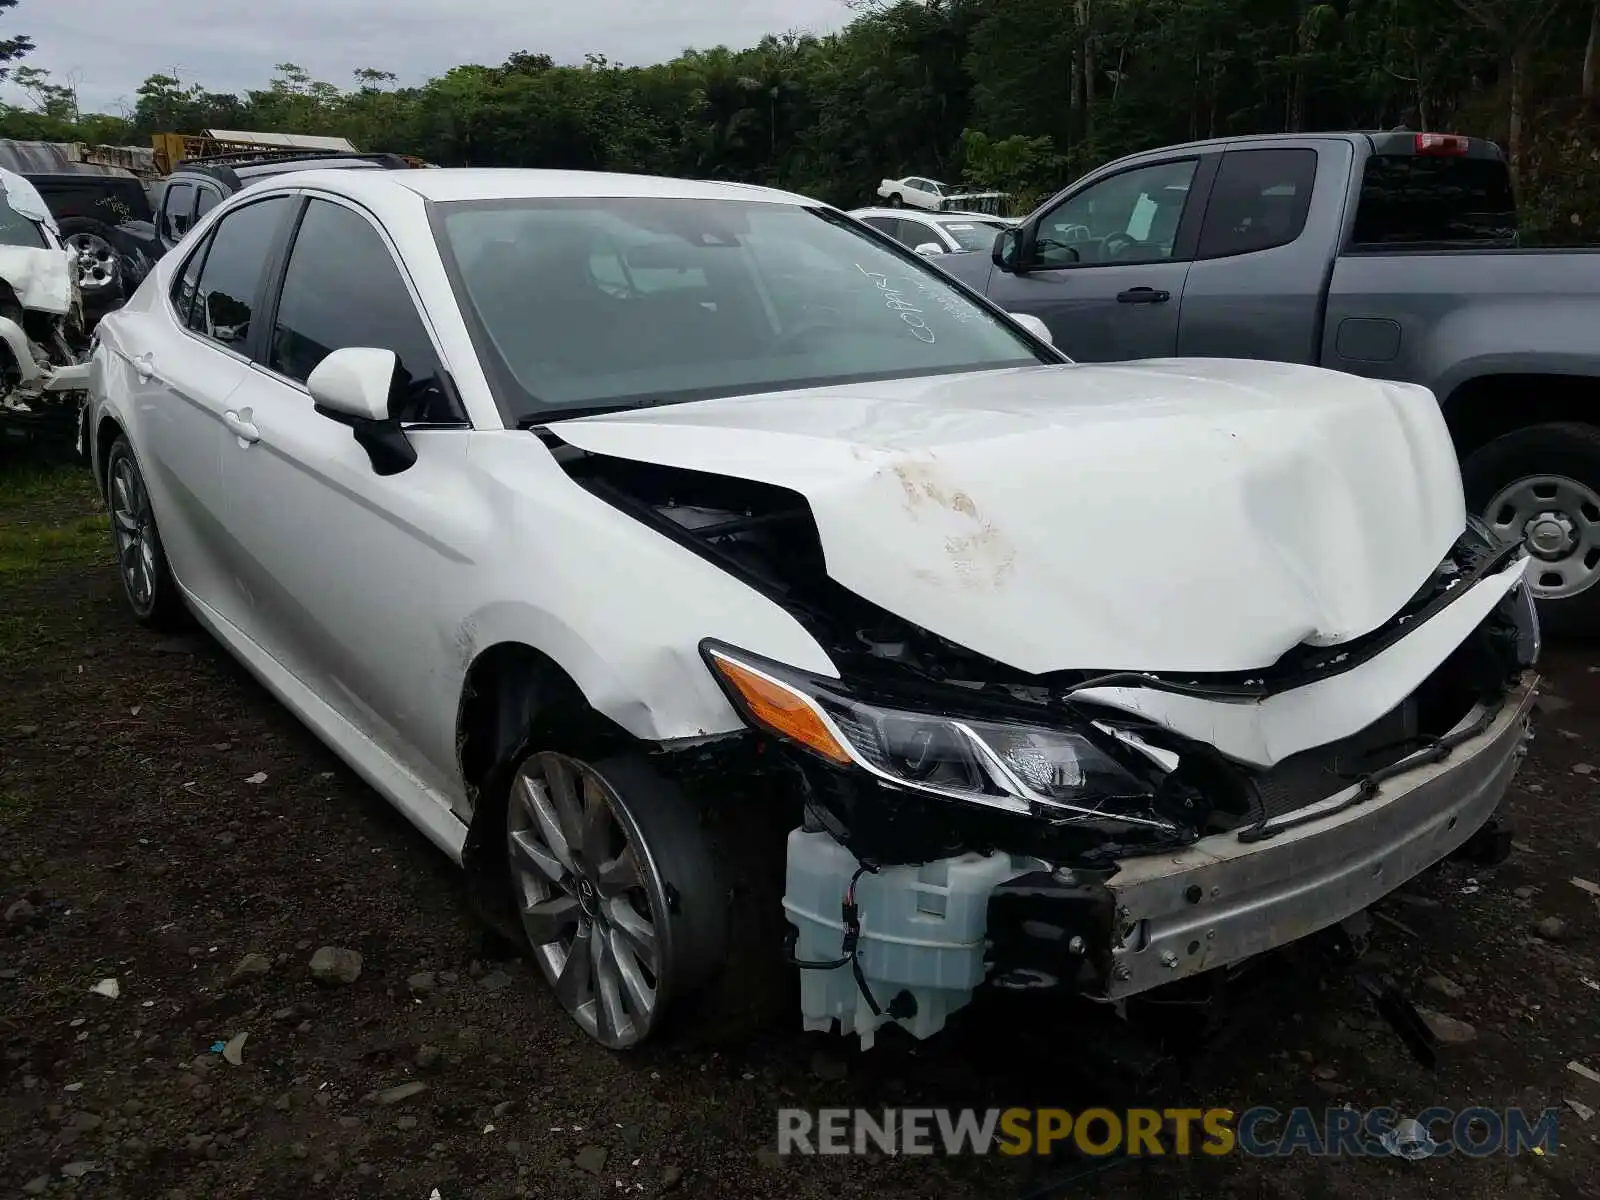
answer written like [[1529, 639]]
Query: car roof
[[949, 218], [260, 170], [447, 184]]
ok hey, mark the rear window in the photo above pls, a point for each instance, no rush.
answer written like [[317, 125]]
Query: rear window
[[973, 235], [1412, 200]]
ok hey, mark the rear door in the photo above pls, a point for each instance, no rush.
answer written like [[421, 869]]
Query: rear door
[[1256, 287], [1104, 266], [185, 360]]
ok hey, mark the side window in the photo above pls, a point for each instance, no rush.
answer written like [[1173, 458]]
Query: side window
[[177, 210], [882, 224], [903, 231], [1260, 200], [208, 198], [186, 284], [225, 296], [1130, 218], [914, 233], [342, 288]]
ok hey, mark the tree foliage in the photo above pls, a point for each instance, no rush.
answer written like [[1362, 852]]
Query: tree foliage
[[1013, 94]]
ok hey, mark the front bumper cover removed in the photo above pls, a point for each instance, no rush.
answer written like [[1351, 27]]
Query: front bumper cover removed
[[1225, 899]]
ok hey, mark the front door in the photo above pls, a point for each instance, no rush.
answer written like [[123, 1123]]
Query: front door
[[342, 566], [1106, 265]]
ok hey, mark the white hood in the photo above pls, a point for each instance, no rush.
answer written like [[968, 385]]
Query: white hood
[[42, 279], [1174, 515]]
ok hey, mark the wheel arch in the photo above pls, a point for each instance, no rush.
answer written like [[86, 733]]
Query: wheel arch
[[1487, 406], [106, 433], [515, 696]]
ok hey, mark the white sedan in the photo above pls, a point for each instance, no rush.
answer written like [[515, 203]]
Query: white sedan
[[915, 191], [935, 233], [578, 512]]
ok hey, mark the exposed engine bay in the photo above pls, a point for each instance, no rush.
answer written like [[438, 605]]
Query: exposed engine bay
[[980, 822], [43, 342], [766, 535]]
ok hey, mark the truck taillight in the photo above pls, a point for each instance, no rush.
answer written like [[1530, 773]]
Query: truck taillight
[[1441, 143]]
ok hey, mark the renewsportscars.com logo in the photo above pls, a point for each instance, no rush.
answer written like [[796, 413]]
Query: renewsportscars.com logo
[[1260, 1132]]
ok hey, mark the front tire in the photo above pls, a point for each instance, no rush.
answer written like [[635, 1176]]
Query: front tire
[[147, 581], [1541, 486], [617, 892]]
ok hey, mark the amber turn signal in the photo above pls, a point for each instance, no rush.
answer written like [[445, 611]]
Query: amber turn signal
[[780, 709]]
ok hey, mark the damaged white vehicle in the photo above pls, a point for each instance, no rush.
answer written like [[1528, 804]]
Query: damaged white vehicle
[[43, 374], [572, 510]]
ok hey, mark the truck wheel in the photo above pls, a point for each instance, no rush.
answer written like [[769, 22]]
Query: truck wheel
[[1541, 486], [99, 270]]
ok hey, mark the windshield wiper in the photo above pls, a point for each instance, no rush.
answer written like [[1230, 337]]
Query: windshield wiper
[[535, 420]]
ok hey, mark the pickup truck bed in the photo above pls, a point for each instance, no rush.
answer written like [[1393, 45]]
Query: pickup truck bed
[[1388, 255]]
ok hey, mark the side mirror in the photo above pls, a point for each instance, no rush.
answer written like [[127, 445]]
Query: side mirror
[[353, 386], [929, 248], [1034, 326], [1007, 252]]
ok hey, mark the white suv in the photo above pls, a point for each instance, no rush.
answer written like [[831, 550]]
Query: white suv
[[557, 503]]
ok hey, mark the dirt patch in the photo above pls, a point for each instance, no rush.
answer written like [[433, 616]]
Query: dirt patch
[[169, 826]]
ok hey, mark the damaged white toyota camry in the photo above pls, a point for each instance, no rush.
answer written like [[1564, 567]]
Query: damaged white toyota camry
[[578, 511]]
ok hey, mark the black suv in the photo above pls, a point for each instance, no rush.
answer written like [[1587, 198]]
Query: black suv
[[197, 185]]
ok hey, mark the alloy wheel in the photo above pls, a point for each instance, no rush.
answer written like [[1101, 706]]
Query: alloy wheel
[[97, 261], [133, 529], [590, 897]]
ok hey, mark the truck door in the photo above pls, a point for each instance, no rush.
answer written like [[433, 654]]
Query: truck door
[[1261, 268], [1104, 266]]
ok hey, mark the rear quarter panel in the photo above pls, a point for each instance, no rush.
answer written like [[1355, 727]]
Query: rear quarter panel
[[1441, 319]]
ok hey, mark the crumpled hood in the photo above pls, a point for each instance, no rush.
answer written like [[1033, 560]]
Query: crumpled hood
[[1173, 515], [42, 279]]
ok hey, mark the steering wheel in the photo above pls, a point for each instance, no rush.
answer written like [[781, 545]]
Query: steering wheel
[[1118, 244]]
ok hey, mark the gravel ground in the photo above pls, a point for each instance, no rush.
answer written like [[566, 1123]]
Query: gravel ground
[[165, 824]]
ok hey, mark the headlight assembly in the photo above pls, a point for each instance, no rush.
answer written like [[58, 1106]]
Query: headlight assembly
[[1018, 767]]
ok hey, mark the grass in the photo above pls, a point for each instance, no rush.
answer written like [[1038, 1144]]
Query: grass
[[50, 517], [13, 805]]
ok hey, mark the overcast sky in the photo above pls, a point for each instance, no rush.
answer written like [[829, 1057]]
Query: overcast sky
[[108, 47]]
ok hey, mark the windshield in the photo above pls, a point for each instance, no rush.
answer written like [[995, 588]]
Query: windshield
[[18, 204], [617, 302], [973, 235], [18, 230]]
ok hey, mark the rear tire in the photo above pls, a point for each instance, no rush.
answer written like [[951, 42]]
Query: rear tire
[[1541, 485], [147, 581], [897, 201]]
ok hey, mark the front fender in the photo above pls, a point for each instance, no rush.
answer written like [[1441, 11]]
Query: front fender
[[618, 606]]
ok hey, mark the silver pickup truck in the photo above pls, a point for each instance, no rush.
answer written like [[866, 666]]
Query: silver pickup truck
[[1385, 254]]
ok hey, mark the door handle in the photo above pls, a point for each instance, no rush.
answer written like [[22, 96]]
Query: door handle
[[240, 426], [1143, 295], [144, 367]]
